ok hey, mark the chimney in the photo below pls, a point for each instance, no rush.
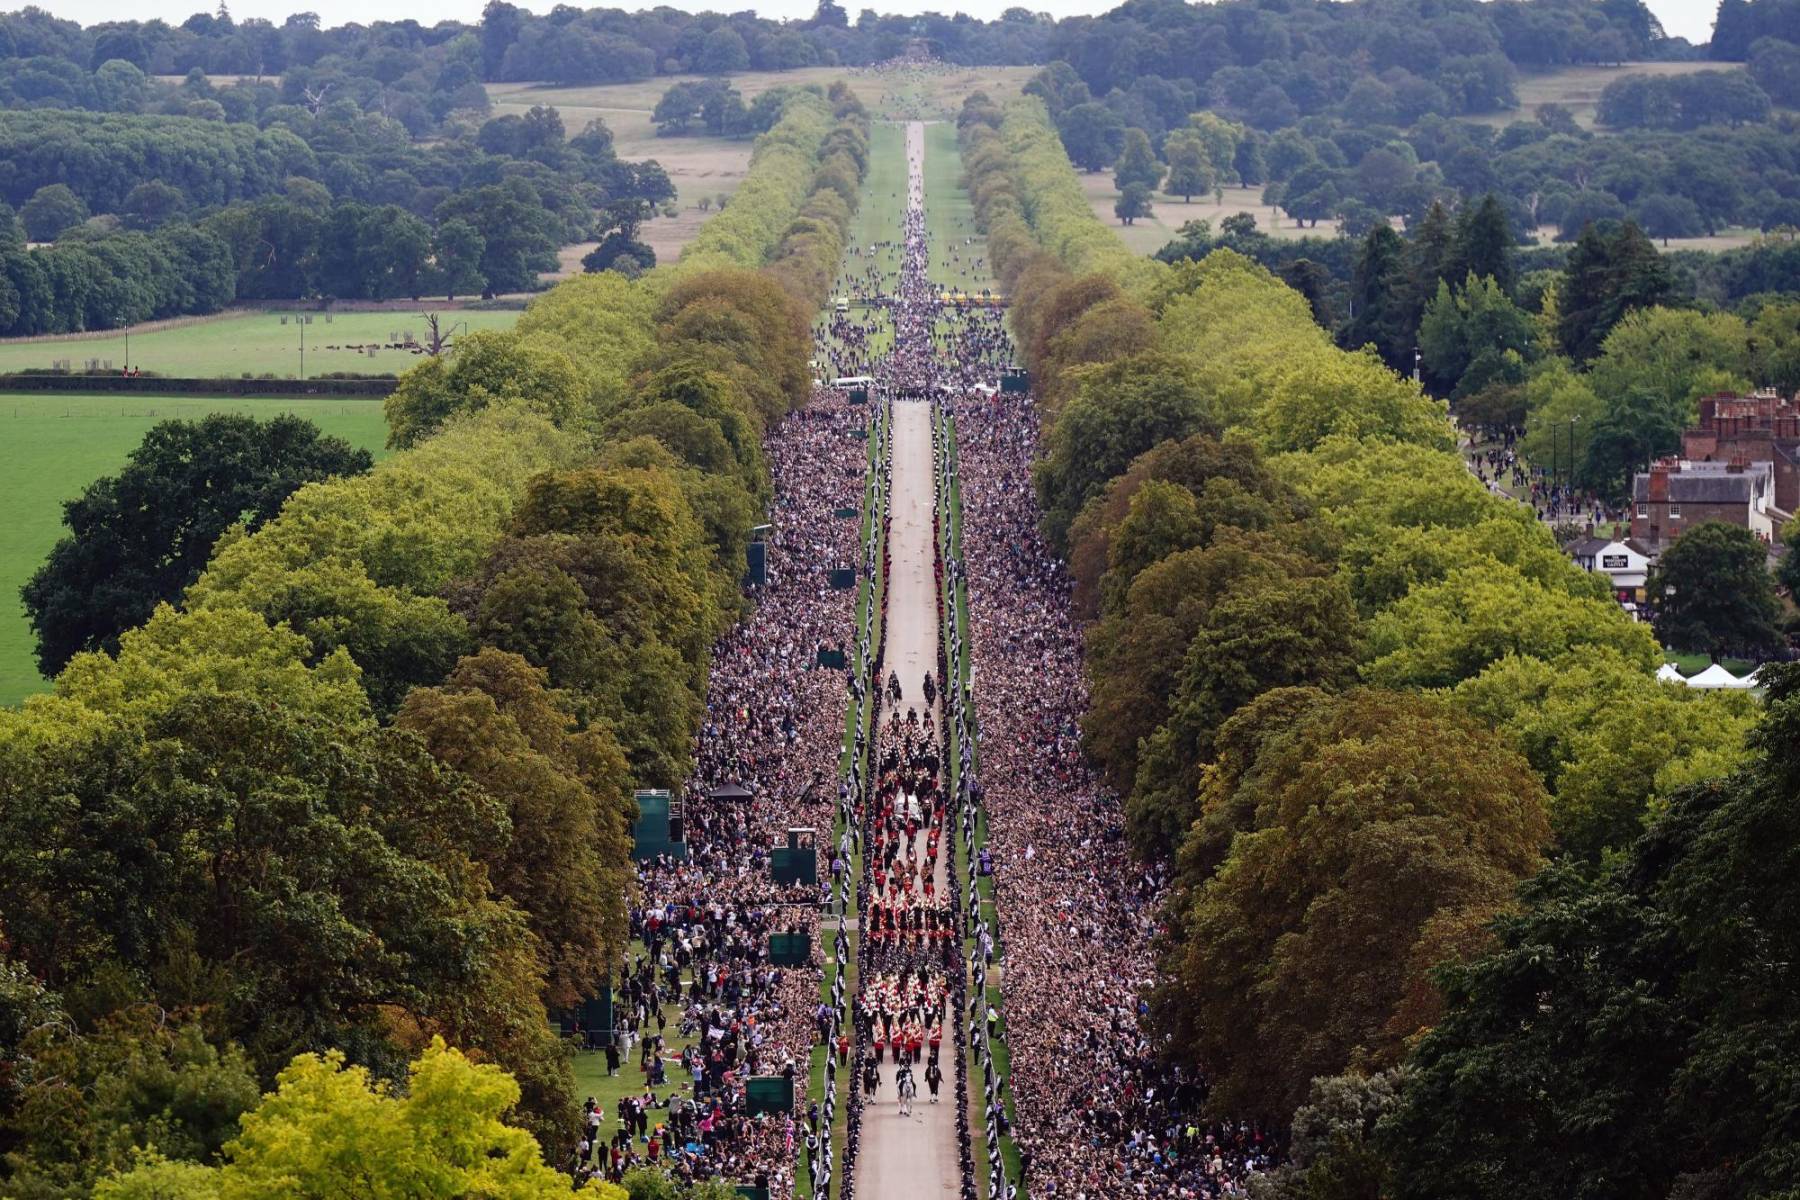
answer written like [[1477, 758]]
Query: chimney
[[1736, 465], [1659, 481]]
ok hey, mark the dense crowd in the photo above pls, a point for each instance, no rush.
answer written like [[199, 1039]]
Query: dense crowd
[[1099, 1116], [773, 727]]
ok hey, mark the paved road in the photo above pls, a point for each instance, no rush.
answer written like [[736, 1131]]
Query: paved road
[[912, 1158]]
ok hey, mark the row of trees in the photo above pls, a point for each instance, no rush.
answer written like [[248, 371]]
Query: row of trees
[[161, 251], [1277, 64], [1530, 1084], [1353, 696], [486, 241], [149, 169], [1596, 356], [717, 107], [1682, 101], [419, 68], [370, 783]]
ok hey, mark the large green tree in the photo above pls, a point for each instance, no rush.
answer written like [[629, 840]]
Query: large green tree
[[1485, 240], [1191, 172], [1609, 274], [139, 538], [292, 874], [1120, 409], [1473, 337], [1359, 840], [88, 1100], [1379, 298], [484, 368], [1713, 593], [566, 864], [1137, 163]]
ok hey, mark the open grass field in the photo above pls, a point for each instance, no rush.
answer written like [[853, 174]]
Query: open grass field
[[1578, 88], [255, 343], [711, 167], [956, 243], [1149, 234], [52, 446]]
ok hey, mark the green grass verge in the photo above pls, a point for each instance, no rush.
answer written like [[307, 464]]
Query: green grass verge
[[950, 216], [591, 1078], [237, 343], [58, 444]]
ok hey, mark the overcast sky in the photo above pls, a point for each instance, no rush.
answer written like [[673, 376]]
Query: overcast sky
[[1691, 19]]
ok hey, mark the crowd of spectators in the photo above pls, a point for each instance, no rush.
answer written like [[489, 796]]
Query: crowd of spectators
[[765, 762], [1099, 1115]]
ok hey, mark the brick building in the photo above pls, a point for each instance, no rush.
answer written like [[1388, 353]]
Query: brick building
[[1676, 494], [1762, 427]]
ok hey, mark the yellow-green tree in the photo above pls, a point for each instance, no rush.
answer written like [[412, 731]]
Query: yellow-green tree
[[1611, 742], [486, 368], [329, 1129]]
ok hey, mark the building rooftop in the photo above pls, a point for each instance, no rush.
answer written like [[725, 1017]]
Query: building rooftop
[[1706, 482]]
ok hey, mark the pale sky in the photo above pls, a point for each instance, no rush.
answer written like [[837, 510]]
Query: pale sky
[[1691, 19]]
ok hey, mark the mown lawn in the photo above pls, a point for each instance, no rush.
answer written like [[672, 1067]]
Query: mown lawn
[[256, 343]]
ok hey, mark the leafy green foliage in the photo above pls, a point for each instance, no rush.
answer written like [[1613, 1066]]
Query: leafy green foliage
[[139, 538], [1607, 276], [212, 819], [1119, 410], [330, 1128], [1474, 337], [1713, 592], [1333, 1152], [1379, 813], [87, 1101], [567, 863], [488, 368], [1630, 1028], [1611, 743]]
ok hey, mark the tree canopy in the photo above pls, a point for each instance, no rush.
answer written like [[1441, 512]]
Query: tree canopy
[[139, 538]]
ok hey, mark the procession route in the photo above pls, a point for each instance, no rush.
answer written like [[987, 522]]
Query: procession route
[[912, 1157]]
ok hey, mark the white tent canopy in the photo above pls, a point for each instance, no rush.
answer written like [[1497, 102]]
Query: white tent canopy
[[1670, 673], [1717, 676]]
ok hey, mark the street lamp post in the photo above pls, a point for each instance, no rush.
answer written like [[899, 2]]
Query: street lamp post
[[1572, 421]]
